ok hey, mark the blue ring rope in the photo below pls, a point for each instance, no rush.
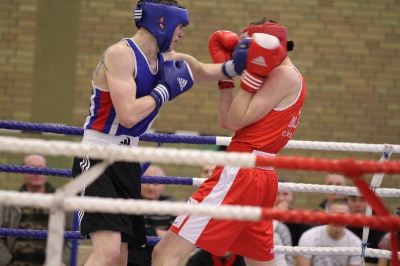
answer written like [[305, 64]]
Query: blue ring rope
[[78, 131], [68, 173], [151, 240]]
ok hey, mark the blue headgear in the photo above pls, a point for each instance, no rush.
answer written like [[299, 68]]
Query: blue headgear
[[160, 20]]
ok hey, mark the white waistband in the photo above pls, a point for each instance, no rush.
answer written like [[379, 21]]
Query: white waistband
[[265, 154], [93, 137]]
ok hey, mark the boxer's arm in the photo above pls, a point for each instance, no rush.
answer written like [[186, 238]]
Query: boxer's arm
[[247, 108], [224, 103], [119, 66], [202, 73]]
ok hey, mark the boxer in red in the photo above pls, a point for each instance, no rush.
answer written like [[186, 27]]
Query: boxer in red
[[263, 113]]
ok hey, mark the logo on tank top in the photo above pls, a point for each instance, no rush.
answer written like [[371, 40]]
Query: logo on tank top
[[125, 142], [293, 124]]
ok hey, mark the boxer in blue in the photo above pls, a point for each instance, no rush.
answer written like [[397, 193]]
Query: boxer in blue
[[133, 79]]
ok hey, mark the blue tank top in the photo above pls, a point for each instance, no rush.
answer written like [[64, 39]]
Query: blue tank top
[[102, 116]]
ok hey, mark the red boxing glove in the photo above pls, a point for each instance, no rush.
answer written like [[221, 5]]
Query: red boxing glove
[[221, 45], [265, 53]]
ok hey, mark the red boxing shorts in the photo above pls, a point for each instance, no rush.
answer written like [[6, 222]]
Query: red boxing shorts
[[233, 186]]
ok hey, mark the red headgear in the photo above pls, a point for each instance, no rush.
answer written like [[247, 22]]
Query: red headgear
[[271, 28]]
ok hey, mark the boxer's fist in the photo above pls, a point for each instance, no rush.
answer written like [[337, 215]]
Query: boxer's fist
[[236, 66], [176, 78], [221, 46], [265, 53]]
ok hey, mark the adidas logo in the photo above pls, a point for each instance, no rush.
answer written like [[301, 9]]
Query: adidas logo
[[126, 142], [182, 83], [259, 61]]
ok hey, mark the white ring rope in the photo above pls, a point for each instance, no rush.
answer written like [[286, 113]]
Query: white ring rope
[[127, 154], [353, 191], [325, 189], [129, 206], [122, 153], [326, 146], [339, 251], [165, 155]]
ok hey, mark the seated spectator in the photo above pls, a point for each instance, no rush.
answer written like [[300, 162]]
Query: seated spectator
[[207, 170], [385, 245], [358, 205], [330, 236], [156, 225], [282, 238], [30, 251], [332, 179], [283, 201]]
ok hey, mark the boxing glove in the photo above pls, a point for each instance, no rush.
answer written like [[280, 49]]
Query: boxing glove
[[176, 78], [236, 66], [265, 53], [221, 46]]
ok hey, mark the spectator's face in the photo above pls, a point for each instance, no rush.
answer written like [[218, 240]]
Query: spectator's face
[[284, 196], [357, 204], [338, 208], [32, 180], [335, 180], [153, 191], [207, 170]]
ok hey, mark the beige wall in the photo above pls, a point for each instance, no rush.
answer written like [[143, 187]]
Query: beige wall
[[348, 52]]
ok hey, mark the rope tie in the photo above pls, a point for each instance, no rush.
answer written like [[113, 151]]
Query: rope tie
[[363, 247], [386, 154], [161, 139]]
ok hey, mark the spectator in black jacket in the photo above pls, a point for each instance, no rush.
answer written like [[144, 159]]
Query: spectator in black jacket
[[358, 205], [156, 225]]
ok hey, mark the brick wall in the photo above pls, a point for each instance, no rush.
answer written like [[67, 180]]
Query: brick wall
[[348, 52]]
